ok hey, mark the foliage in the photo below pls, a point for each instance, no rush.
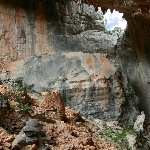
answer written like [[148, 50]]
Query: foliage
[[21, 105], [25, 108], [21, 101], [29, 89], [118, 135], [116, 31], [17, 94], [143, 139]]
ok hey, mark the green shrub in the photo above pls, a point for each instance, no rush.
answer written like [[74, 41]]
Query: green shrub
[[17, 95], [118, 135]]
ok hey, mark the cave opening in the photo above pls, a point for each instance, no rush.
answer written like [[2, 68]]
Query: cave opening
[[114, 20], [91, 59]]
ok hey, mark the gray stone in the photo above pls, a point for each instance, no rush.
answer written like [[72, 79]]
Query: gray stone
[[102, 93], [19, 141], [30, 134], [32, 128], [4, 104]]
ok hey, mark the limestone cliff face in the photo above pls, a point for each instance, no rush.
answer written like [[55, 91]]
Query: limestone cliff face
[[63, 45], [137, 72], [137, 14], [140, 38], [88, 82], [34, 28]]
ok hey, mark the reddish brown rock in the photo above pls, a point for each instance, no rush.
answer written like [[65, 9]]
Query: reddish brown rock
[[51, 107]]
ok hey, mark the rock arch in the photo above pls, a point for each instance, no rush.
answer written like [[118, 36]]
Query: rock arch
[[61, 35]]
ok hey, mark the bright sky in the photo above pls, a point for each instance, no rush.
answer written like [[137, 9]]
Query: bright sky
[[115, 20]]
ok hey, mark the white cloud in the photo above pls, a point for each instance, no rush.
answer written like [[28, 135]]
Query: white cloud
[[115, 20]]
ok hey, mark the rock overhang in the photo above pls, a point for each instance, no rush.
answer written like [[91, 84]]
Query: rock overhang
[[135, 12]]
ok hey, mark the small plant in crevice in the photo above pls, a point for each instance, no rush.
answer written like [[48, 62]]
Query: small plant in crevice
[[24, 105], [18, 97], [20, 101], [144, 139], [28, 89]]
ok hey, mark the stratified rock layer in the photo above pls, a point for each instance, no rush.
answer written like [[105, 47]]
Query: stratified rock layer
[[137, 14], [87, 82], [38, 37]]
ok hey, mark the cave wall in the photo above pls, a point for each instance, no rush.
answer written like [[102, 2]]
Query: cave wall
[[137, 63], [137, 14], [133, 55], [33, 28], [55, 45]]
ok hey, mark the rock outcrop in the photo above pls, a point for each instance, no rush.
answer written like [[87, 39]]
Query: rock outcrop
[[136, 12], [29, 135], [74, 133], [90, 83], [42, 43], [52, 106]]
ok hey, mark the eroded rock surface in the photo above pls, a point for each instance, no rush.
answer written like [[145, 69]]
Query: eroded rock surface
[[136, 12], [52, 106], [29, 135], [75, 133], [38, 35], [90, 83]]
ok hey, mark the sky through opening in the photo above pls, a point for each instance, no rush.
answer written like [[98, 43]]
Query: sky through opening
[[114, 20]]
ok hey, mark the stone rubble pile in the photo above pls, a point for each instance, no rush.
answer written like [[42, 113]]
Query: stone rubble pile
[[5, 139], [51, 107], [75, 134], [51, 126], [58, 132], [10, 119]]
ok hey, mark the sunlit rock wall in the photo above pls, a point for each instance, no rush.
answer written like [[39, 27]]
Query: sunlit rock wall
[[33, 28], [88, 82], [57, 46], [137, 14]]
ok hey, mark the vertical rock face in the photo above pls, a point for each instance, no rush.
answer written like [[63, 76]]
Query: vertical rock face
[[103, 98], [136, 12], [34, 28], [142, 49], [135, 64], [87, 82], [62, 46]]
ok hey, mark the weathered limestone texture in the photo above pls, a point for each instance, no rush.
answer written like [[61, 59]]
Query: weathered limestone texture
[[88, 82], [63, 45], [137, 71], [40, 27], [137, 14]]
